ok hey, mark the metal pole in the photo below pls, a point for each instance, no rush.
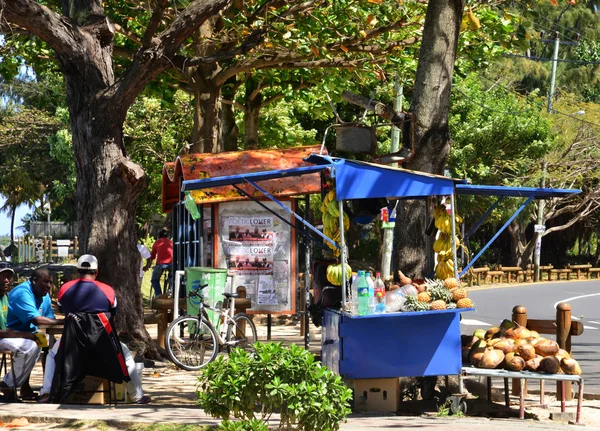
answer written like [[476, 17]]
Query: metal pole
[[308, 253], [343, 256], [453, 240], [540, 214], [388, 234]]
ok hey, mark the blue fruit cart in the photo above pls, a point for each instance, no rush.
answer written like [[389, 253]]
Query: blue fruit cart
[[392, 344]]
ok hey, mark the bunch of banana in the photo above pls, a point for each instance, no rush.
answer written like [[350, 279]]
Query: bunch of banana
[[334, 274], [443, 245], [331, 220]]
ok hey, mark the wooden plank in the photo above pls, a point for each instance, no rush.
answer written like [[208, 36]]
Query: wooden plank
[[542, 326]]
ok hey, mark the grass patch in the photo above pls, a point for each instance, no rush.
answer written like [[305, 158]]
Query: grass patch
[[167, 427]]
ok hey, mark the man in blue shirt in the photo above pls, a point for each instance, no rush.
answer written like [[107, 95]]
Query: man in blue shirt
[[29, 305]]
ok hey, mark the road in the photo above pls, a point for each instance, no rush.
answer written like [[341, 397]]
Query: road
[[495, 304]]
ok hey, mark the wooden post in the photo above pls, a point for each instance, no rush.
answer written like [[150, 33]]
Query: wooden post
[[302, 305], [563, 338], [519, 316], [241, 328]]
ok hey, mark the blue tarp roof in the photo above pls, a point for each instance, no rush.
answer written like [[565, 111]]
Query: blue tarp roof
[[525, 192], [360, 180]]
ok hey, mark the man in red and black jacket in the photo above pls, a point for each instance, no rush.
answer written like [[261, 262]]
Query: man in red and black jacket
[[162, 251], [89, 344]]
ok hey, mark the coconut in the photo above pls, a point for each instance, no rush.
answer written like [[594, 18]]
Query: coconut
[[525, 351], [467, 340], [479, 333], [507, 345], [534, 341], [491, 332], [476, 352], [493, 341], [507, 324], [562, 354], [546, 348], [516, 363], [534, 334], [570, 366], [520, 342], [521, 332], [550, 365], [533, 364], [491, 358]]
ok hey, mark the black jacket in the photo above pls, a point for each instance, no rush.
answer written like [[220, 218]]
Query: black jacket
[[89, 346]]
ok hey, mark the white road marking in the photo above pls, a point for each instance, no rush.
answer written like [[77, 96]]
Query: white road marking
[[473, 322], [588, 327], [593, 321], [575, 297]]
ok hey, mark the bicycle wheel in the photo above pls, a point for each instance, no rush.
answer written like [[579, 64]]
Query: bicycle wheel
[[241, 333], [191, 343]]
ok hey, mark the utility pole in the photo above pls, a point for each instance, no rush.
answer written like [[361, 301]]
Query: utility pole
[[388, 234], [539, 228]]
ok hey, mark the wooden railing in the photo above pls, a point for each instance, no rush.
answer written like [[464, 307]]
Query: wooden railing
[[515, 274]]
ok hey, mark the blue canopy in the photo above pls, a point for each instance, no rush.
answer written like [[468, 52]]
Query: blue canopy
[[523, 192]]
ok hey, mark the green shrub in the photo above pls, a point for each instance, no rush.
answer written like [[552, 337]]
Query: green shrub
[[273, 379], [251, 425]]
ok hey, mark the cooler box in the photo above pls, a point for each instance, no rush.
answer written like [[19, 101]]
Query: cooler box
[[216, 278], [91, 390]]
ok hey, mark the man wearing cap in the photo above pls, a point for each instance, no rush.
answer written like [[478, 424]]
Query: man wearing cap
[[89, 305], [22, 344]]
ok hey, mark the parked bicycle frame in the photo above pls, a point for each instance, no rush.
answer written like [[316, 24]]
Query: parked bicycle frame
[[194, 341]]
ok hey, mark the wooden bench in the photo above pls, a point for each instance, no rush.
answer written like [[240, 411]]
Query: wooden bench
[[512, 273], [581, 272], [544, 269], [594, 271], [479, 274]]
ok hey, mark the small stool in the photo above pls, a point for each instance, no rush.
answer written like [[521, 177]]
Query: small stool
[[7, 354]]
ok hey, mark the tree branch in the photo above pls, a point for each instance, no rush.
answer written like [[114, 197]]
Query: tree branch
[[280, 96], [129, 35], [42, 22], [157, 15]]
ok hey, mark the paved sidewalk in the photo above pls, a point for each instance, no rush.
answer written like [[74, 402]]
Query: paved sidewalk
[[173, 394]]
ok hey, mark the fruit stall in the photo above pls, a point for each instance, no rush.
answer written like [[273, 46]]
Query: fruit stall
[[421, 336]]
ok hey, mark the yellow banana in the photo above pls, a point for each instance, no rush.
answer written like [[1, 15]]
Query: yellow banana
[[333, 208]]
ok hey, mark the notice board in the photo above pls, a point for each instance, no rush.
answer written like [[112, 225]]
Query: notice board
[[259, 251]]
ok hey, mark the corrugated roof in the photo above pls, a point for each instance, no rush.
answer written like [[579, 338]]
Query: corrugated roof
[[212, 165]]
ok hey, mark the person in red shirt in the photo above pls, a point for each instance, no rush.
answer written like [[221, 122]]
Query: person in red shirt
[[162, 251]]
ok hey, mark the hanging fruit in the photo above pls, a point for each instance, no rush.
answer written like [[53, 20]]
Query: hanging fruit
[[443, 244], [330, 208]]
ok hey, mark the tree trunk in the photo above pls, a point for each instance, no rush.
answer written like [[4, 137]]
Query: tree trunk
[[13, 215], [229, 129], [251, 118], [108, 187], [431, 102], [207, 110]]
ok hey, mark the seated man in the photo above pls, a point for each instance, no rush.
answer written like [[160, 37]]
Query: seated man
[[22, 344], [29, 305], [93, 347]]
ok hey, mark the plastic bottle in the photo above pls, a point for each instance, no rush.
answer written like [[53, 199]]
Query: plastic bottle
[[371, 293], [363, 294], [379, 294], [354, 294]]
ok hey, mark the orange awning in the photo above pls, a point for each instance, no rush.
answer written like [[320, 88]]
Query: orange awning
[[211, 165]]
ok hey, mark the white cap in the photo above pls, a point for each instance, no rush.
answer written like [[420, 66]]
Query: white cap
[[4, 267], [87, 261]]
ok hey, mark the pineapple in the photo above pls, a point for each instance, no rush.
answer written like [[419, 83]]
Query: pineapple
[[451, 283], [424, 297], [422, 306], [458, 294], [413, 304], [438, 305], [440, 293], [465, 303]]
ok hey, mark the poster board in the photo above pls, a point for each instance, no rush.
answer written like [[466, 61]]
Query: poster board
[[258, 250]]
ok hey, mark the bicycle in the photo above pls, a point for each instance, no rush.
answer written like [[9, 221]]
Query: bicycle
[[193, 342]]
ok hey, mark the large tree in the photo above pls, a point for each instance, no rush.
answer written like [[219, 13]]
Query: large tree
[[430, 105], [108, 182]]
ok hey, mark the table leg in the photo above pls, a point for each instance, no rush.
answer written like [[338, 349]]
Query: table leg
[[489, 389], [506, 394], [542, 394], [461, 386], [522, 399], [562, 397], [579, 402]]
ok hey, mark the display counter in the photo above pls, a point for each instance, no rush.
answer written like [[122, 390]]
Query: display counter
[[388, 345]]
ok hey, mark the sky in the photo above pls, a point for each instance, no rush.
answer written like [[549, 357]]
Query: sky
[[5, 220]]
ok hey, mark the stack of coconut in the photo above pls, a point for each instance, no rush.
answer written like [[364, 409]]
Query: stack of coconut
[[515, 348]]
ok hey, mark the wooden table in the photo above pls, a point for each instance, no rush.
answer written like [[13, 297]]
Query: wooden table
[[52, 331]]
